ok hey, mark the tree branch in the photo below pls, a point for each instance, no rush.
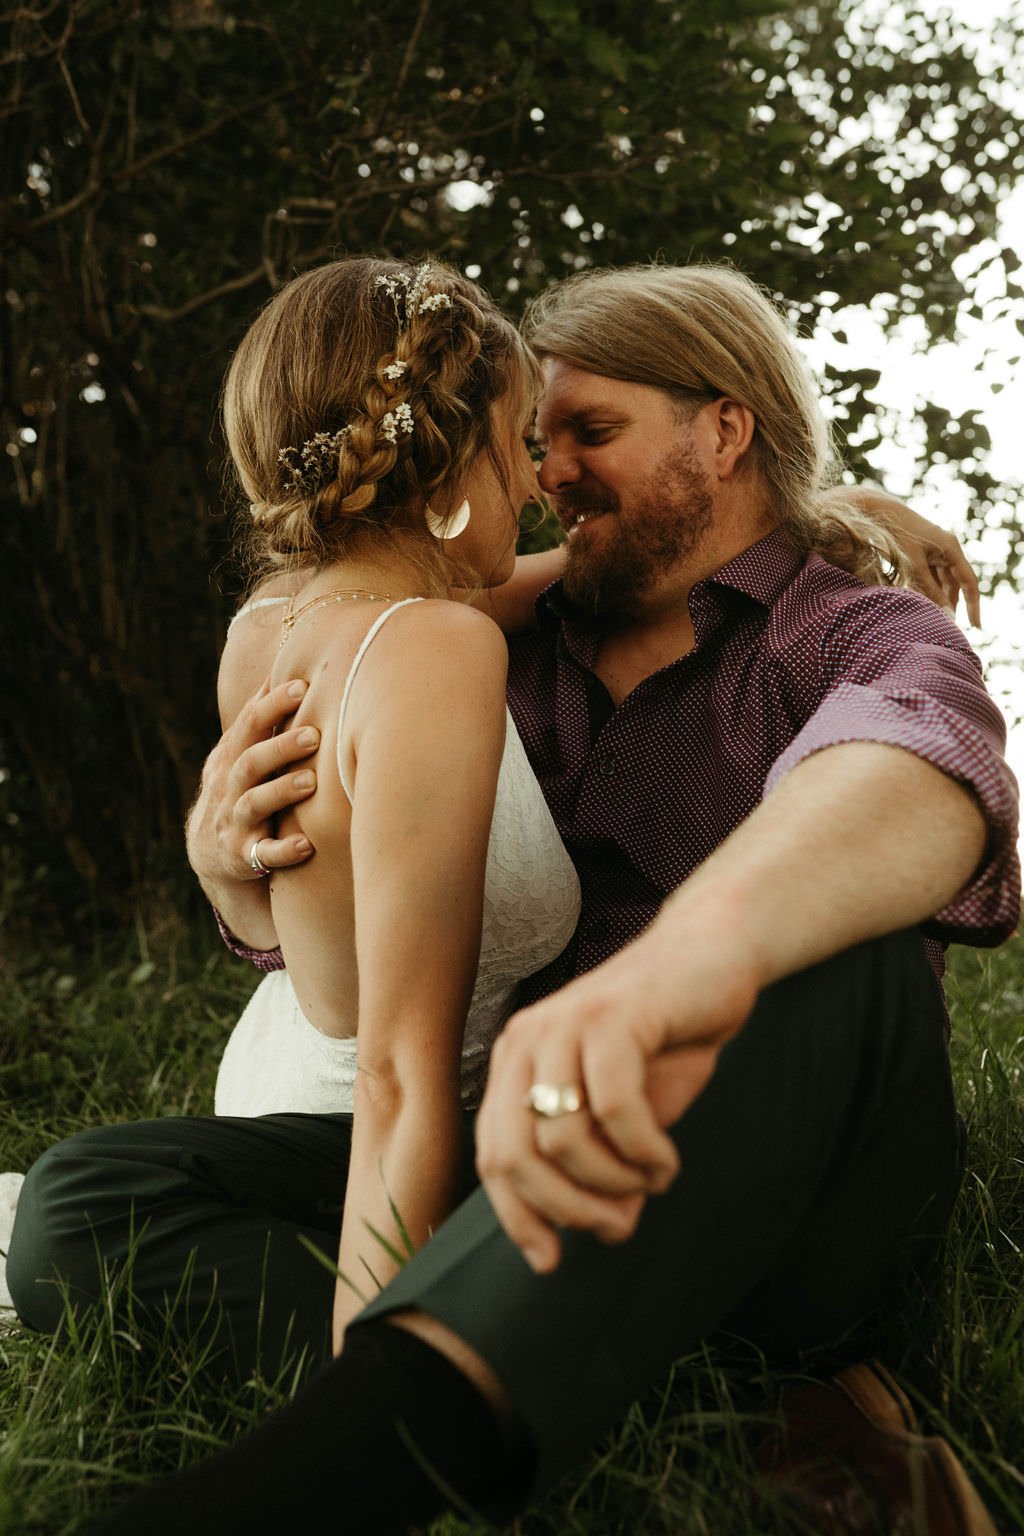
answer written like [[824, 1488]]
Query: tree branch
[[233, 284], [167, 151], [410, 48]]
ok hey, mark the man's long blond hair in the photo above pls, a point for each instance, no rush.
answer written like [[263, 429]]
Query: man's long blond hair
[[704, 330]]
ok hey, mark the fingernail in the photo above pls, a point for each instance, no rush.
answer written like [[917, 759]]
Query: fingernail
[[309, 737], [297, 689], [304, 780], [303, 845]]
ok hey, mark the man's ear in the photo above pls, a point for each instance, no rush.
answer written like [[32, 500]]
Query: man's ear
[[733, 425]]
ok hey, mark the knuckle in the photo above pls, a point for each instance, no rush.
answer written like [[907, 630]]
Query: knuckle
[[250, 717], [278, 750], [518, 1031], [609, 1104], [246, 812], [556, 1138], [495, 1164]]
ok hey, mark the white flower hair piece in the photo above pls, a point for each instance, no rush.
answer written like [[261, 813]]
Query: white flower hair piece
[[397, 421], [315, 463], [411, 296], [394, 371]]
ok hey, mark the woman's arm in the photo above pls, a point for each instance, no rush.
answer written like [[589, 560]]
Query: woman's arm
[[938, 566], [427, 720], [511, 604]]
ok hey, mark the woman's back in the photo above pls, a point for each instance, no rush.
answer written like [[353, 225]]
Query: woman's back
[[419, 685]]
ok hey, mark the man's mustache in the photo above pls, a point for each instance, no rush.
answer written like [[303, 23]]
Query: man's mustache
[[575, 499]]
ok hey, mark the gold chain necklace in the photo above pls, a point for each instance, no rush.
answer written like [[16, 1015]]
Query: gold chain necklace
[[350, 595]]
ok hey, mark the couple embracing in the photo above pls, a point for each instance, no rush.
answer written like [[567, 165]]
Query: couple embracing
[[742, 793]]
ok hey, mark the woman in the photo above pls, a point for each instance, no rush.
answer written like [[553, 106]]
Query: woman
[[375, 416]]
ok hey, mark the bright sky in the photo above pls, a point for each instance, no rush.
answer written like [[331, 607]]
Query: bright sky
[[959, 376]]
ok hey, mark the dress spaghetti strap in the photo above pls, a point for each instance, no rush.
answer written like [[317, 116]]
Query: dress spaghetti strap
[[253, 604], [365, 644]]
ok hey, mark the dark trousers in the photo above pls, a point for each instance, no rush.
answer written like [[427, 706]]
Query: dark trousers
[[824, 1152]]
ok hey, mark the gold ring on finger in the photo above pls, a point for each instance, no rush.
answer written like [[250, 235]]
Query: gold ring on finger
[[551, 1100]]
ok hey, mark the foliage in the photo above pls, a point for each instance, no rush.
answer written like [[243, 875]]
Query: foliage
[[167, 165]]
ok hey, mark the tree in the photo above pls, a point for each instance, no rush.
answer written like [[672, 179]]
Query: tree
[[165, 167]]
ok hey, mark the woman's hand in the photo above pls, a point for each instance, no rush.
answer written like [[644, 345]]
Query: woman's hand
[[938, 566]]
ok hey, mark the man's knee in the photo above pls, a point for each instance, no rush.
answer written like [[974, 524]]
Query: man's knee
[[53, 1250]]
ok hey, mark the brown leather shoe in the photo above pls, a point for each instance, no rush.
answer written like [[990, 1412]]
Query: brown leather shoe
[[850, 1462]]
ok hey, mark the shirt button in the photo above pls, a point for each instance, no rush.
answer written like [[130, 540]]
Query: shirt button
[[598, 930], [607, 766]]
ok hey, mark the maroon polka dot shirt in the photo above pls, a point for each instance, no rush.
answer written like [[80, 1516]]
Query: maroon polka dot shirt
[[791, 656]]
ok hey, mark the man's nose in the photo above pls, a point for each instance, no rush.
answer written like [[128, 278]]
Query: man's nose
[[558, 468]]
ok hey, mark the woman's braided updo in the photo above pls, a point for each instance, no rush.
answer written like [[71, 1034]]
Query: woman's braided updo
[[361, 390]]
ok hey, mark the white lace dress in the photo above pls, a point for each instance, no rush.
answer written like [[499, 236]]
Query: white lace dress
[[10, 1188], [277, 1061]]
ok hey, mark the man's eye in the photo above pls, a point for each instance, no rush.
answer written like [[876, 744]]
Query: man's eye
[[592, 437]]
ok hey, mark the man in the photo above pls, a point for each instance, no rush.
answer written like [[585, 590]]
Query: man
[[781, 789]]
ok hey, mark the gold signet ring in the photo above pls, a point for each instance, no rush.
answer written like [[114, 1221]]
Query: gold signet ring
[[554, 1099]]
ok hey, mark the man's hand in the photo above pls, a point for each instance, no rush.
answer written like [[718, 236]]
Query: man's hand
[[629, 1035], [244, 786]]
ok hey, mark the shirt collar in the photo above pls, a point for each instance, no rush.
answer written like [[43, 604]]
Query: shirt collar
[[761, 572]]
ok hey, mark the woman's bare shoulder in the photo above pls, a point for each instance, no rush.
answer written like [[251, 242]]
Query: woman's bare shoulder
[[436, 665], [252, 642], [437, 629]]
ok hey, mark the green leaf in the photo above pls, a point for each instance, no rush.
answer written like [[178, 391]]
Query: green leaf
[[605, 54], [561, 12]]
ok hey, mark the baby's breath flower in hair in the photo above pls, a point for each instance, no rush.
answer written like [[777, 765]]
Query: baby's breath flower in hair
[[411, 296], [398, 420], [315, 463], [395, 370]]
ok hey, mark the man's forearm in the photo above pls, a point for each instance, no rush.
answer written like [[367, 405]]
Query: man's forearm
[[859, 840], [245, 916]]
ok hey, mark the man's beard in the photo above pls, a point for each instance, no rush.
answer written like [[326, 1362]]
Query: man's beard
[[668, 518]]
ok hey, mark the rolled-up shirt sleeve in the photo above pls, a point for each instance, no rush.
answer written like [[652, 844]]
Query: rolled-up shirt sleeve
[[893, 669], [262, 959]]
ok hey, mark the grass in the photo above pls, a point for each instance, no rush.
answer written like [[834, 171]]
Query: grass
[[84, 1041]]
